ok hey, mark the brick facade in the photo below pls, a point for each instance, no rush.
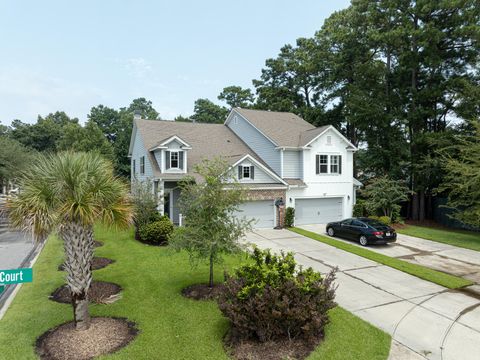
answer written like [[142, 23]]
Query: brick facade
[[266, 194]]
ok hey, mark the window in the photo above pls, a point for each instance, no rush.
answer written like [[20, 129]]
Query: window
[[142, 165], [328, 164], [174, 159], [334, 164], [134, 167], [322, 164], [246, 172]]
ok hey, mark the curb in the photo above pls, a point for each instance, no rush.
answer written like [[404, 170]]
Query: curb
[[10, 291]]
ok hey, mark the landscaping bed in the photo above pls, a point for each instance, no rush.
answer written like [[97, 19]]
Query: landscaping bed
[[97, 263], [170, 325], [100, 292]]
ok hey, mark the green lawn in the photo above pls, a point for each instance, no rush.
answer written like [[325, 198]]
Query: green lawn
[[171, 327], [438, 277], [461, 238]]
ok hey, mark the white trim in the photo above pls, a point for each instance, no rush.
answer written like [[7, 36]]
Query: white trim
[[281, 163], [132, 139], [243, 117], [174, 137], [268, 171], [330, 127]]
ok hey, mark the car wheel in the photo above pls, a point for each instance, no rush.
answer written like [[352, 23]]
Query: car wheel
[[331, 232], [363, 240]]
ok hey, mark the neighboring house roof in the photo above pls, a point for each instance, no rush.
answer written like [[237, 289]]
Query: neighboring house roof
[[207, 141], [357, 183], [283, 128]]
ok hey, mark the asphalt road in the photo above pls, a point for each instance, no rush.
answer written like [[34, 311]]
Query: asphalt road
[[14, 247]]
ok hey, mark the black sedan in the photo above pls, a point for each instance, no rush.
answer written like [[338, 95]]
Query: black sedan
[[365, 230]]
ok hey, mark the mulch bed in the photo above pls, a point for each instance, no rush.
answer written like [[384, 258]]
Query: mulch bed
[[202, 292], [100, 292], [97, 263], [295, 349], [105, 336]]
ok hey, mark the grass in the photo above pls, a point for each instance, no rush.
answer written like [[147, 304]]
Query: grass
[[462, 238], [437, 277], [171, 326]]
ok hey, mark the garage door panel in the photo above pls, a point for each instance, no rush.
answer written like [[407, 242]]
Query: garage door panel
[[260, 211], [318, 211]]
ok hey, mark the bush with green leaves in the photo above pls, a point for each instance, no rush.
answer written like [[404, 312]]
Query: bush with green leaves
[[289, 216], [272, 299], [157, 232], [359, 209], [384, 195]]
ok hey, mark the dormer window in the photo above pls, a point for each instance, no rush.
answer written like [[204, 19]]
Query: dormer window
[[174, 160], [246, 172]]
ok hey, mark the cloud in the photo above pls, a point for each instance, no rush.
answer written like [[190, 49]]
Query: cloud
[[137, 67], [24, 94]]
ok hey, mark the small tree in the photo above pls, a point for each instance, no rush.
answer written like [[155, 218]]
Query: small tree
[[462, 179], [144, 204], [210, 228], [384, 195]]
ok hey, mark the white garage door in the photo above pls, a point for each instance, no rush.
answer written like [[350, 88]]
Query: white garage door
[[318, 211], [261, 211]]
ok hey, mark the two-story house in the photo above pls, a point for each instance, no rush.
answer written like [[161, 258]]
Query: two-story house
[[274, 154]]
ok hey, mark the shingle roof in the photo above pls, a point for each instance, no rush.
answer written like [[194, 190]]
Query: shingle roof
[[206, 140], [283, 128], [295, 182]]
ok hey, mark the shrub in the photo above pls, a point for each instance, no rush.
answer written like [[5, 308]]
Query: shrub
[[145, 204], [359, 209], [289, 216], [271, 299], [385, 219], [157, 232]]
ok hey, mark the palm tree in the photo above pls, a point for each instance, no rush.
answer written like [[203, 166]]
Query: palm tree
[[68, 193]]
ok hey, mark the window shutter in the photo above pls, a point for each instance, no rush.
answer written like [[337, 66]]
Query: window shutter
[[240, 172], [317, 164], [180, 159], [252, 173], [340, 164], [167, 160]]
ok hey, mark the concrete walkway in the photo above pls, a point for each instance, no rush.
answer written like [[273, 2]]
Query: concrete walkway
[[425, 320], [444, 257]]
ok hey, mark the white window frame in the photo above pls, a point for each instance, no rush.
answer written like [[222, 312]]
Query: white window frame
[[177, 159], [325, 164], [248, 171], [332, 164]]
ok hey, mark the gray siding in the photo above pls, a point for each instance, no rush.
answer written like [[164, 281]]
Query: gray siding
[[292, 164], [138, 151], [260, 176], [158, 157], [256, 141]]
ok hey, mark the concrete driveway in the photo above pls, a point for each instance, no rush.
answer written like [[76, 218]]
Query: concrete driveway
[[447, 258], [425, 320]]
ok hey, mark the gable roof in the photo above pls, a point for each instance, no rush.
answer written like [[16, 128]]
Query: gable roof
[[207, 141], [282, 128]]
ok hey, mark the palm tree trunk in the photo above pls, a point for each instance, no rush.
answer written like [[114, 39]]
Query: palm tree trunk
[[78, 245]]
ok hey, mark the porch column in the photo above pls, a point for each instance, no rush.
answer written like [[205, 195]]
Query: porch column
[[161, 197]]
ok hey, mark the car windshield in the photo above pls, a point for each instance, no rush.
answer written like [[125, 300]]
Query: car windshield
[[373, 223]]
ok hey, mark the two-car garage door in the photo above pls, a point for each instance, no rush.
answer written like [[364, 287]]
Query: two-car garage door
[[318, 211], [262, 211]]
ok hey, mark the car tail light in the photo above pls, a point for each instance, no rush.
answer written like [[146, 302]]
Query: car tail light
[[377, 233]]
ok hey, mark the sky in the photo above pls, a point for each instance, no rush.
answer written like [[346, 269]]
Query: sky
[[72, 55]]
